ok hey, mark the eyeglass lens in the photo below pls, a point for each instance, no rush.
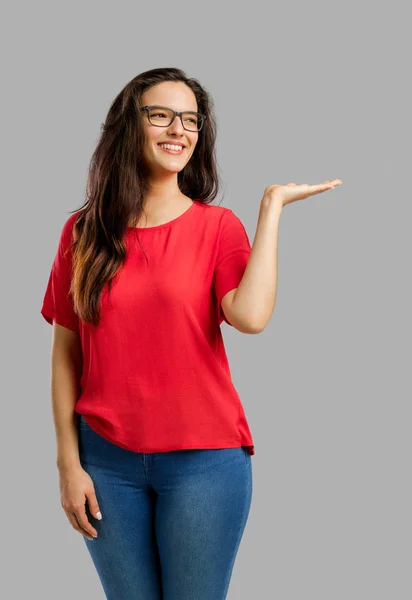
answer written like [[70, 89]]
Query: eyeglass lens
[[163, 117]]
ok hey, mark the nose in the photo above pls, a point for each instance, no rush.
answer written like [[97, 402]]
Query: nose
[[177, 126]]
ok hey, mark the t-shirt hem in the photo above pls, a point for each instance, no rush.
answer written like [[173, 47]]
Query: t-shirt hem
[[156, 449]]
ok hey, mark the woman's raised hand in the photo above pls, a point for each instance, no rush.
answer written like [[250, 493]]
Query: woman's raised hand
[[291, 192]]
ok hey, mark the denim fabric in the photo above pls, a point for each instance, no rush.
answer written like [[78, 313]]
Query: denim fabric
[[172, 521]]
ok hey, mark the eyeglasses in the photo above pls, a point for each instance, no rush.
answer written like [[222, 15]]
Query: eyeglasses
[[161, 116]]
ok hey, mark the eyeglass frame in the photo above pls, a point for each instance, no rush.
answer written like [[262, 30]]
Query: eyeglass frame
[[176, 113]]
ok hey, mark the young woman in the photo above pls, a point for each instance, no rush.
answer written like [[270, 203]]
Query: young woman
[[153, 445]]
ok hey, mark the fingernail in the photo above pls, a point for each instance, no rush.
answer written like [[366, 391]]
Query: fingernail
[[99, 515]]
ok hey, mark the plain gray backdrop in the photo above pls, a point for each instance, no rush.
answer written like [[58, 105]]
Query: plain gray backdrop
[[303, 92]]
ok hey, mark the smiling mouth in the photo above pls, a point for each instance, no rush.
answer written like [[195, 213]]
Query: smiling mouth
[[172, 151]]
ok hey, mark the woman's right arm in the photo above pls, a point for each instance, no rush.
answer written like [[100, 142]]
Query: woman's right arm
[[76, 485], [66, 368]]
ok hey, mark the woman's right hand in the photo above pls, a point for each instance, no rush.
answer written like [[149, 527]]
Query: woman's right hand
[[76, 487]]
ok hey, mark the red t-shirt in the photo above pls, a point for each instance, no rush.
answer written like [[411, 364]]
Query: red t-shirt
[[155, 372]]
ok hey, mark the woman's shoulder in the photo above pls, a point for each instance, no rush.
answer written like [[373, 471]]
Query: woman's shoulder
[[66, 234], [215, 211]]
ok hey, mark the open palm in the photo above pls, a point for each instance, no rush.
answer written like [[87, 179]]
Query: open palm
[[291, 192]]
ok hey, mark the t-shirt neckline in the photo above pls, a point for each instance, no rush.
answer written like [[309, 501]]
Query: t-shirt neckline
[[167, 224]]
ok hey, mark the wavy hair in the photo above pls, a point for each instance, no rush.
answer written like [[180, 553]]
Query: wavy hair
[[116, 187]]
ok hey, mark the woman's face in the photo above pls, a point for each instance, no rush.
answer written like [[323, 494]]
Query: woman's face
[[179, 96]]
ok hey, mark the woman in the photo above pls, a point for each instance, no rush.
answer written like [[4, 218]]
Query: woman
[[153, 445]]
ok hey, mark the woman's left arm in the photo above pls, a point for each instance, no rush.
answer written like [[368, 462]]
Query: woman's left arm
[[250, 306], [253, 301]]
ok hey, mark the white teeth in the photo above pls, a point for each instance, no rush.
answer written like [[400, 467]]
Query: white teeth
[[171, 147]]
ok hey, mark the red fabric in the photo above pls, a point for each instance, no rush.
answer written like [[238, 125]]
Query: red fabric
[[155, 372]]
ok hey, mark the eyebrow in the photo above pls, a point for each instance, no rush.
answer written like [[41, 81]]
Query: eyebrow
[[163, 106]]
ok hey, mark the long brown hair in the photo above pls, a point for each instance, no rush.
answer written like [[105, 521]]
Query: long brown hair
[[116, 186]]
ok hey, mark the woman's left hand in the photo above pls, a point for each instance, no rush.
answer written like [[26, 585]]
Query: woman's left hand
[[285, 194]]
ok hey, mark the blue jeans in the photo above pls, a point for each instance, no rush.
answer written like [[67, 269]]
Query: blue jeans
[[172, 521]]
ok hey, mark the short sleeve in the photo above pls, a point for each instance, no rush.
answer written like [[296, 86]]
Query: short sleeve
[[57, 302], [232, 257]]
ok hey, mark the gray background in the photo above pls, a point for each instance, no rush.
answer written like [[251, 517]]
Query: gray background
[[303, 92]]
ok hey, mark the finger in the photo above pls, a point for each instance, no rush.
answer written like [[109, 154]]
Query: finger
[[74, 523], [330, 182], [93, 505], [80, 514], [321, 187]]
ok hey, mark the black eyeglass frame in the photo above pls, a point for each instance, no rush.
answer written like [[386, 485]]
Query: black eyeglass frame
[[176, 113]]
